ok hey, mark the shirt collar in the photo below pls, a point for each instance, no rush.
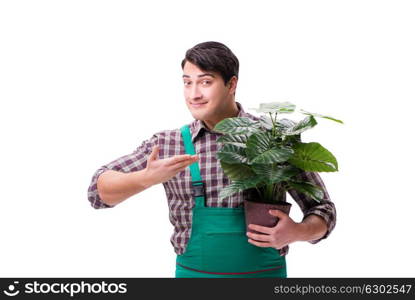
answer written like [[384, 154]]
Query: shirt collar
[[199, 126]]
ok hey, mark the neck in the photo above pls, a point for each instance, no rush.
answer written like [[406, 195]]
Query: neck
[[233, 111]]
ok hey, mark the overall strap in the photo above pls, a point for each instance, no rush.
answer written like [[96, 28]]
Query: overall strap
[[198, 186]]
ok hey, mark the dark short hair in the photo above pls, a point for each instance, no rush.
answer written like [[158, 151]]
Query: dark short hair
[[213, 56]]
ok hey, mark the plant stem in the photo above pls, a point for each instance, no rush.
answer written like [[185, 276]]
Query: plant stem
[[273, 188], [273, 124], [259, 192], [277, 192], [269, 190]]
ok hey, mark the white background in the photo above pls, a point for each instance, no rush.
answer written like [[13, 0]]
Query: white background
[[85, 82]]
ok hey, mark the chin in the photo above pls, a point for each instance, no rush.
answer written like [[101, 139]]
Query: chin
[[197, 116]]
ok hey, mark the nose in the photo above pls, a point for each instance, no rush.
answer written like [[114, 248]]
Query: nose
[[195, 92]]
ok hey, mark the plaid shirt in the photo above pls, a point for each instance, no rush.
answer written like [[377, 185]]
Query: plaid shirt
[[178, 188]]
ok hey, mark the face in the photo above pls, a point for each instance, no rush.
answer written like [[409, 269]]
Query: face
[[206, 95]]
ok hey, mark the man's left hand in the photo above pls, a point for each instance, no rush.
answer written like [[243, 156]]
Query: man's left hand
[[285, 232]]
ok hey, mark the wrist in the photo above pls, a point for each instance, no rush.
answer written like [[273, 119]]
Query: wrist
[[312, 228], [303, 232], [145, 178]]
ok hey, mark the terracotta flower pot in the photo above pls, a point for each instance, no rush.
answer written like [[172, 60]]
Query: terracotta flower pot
[[258, 213]]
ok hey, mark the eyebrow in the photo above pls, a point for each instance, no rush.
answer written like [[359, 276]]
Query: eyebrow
[[200, 75]]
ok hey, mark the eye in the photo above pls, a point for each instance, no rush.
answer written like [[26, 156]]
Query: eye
[[206, 81], [187, 82]]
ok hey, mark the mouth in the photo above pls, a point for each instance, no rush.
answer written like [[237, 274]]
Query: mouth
[[198, 104]]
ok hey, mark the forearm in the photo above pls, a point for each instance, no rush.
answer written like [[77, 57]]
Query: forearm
[[312, 228], [115, 187]]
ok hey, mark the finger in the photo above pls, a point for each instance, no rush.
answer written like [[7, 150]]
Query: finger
[[263, 229], [258, 237], [177, 170], [154, 153], [179, 158], [277, 213], [181, 166], [259, 244], [183, 163]]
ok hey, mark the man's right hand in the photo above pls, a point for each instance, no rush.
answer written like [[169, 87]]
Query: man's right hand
[[114, 186], [161, 170]]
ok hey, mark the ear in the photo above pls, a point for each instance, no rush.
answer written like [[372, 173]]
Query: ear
[[232, 83]]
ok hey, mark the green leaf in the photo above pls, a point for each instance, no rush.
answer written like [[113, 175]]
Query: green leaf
[[266, 122], [320, 116], [237, 126], [228, 191], [260, 150], [292, 139], [238, 186], [232, 154], [301, 126], [237, 140], [273, 156], [275, 107], [313, 157], [285, 123], [275, 173], [237, 171], [280, 125], [313, 191]]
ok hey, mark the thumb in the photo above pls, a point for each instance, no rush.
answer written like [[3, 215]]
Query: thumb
[[154, 153], [277, 213]]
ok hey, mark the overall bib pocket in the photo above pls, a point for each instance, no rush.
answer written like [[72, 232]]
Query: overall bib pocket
[[231, 252]]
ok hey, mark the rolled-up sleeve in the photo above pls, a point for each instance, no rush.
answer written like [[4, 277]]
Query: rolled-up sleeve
[[325, 208], [135, 161]]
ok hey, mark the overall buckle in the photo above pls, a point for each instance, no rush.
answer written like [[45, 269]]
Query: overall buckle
[[198, 188]]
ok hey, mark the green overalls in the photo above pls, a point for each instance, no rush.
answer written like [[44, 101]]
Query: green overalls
[[218, 245]]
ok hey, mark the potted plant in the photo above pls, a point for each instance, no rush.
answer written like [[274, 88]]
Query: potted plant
[[264, 157]]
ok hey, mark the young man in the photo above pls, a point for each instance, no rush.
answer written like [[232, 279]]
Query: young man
[[209, 235]]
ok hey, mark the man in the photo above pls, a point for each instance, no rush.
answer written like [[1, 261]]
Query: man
[[208, 237]]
